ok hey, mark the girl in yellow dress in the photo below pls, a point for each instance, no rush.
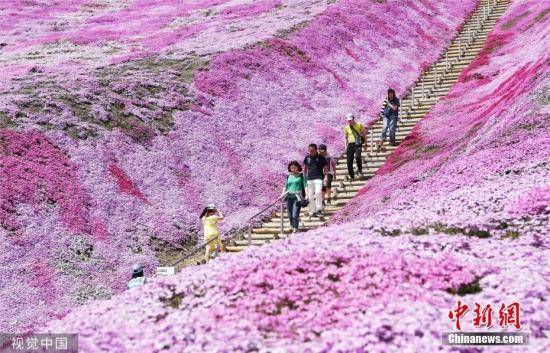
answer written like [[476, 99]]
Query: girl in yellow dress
[[210, 217]]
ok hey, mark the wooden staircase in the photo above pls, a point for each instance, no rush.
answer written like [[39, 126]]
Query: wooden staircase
[[433, 84]]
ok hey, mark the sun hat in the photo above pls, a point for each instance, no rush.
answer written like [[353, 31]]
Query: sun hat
[[349, 116], [137, 268]]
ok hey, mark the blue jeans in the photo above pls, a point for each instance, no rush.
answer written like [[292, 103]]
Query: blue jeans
[[293, 212], [391, 123]]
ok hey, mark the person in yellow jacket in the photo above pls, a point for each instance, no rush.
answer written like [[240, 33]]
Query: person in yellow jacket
[[210, 217], [353, 132]]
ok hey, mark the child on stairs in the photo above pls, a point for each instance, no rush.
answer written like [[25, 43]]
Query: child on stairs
[[210, 217]]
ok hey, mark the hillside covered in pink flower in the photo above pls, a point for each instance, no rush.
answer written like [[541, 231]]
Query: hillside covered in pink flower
[[459, 212], [121, 119]]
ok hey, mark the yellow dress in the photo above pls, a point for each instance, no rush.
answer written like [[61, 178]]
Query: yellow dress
[[211, 232]]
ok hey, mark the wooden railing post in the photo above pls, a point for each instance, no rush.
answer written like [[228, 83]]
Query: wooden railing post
[[371, 140], [282, 218]]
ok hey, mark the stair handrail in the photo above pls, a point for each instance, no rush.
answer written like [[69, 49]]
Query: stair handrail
[[251, 224], [203, 246]]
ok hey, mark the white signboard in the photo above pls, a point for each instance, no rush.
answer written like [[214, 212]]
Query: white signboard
[[166, 271]]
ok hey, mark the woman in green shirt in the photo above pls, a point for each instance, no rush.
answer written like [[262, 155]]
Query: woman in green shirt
[[294, 192]]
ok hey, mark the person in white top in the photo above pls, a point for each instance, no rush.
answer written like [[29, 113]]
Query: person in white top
[[137, 277]]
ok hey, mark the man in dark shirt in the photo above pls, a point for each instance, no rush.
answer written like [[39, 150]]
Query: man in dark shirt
[[315, 169]]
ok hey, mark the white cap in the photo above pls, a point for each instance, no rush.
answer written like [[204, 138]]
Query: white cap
[[211, 206], [349, 116]]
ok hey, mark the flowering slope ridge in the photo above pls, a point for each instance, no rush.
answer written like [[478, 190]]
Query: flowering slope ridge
[[136, 105], [85, 34], [460, 205]]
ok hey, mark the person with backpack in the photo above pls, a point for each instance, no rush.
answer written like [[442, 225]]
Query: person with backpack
[[138, 278], [355, 137], [331, 173], [315, 169], [390, 116], [210, 217], [294, 193]]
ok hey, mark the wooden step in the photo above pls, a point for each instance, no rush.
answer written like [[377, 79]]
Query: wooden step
[[476, 44], [303, 212], [254, 236], [374, 155], [368, 167], [386, 147], [348, 188], [356, 183], [344, 175], [400, 132], [315, 222], [235, 248], [453, 72], [254, 242], [346, 196], [343, 161], [276, 230], [366, 158]]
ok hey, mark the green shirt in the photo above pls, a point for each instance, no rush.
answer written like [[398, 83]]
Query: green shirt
[[294, 185]]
